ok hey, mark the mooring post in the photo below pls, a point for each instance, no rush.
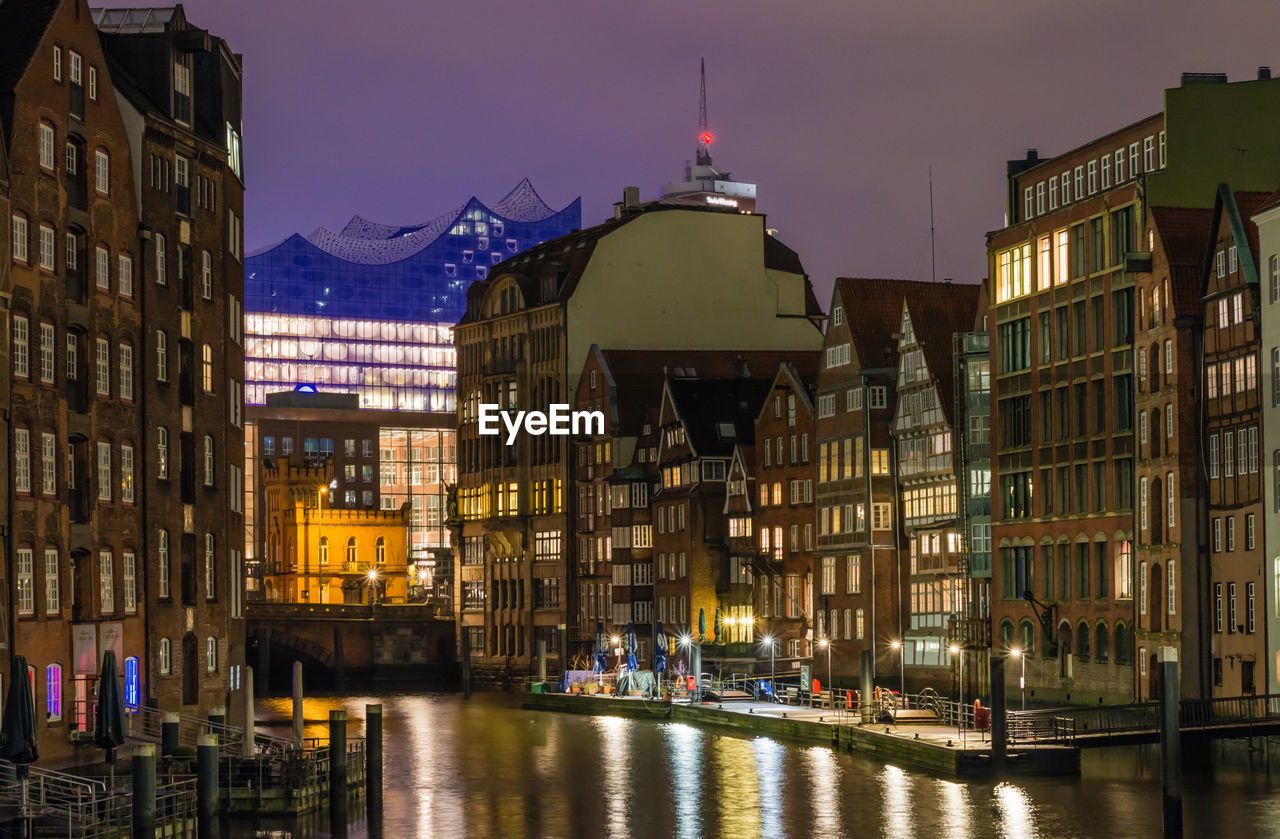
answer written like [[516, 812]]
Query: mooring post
[[144, 790], [218, 715], [998, 711], [373, 755], [246, 698], [169, 734], [337, 760], [542, 659], [297, 702], [207, 786], [866, 675], [1170, 743]]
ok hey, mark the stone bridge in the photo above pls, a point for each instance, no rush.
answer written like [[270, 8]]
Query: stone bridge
[[342, 644]]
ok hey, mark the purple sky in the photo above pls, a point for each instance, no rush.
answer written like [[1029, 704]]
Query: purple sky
[[835, 108]]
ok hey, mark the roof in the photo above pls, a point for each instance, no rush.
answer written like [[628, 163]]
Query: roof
[[141, 21], [22, 27], [1184, 235], [936, 316], [1268, 203], [1236, 210], [874, 312], [718, 414], [638, 375]]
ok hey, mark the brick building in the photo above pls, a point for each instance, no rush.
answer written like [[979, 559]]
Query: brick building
[[1062, 327], [654, 276], [178, 88], [1233, 415], [74, 499]]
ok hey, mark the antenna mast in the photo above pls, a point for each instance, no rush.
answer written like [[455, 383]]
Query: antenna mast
[[704, 136], [933, 256]]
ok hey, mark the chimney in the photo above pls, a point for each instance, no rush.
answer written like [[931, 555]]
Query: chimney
[[1203, 78], [1264, 72], [630, 197], [1033, 155]]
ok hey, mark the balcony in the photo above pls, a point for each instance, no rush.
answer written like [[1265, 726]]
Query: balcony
[[969, 633]]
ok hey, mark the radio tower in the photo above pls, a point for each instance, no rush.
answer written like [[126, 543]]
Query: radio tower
[[704, 136]]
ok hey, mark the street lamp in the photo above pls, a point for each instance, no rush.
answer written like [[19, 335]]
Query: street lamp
[[955, 649], [902, 675], [373, 586], [1022, 679], [826, 644], [768, 639]]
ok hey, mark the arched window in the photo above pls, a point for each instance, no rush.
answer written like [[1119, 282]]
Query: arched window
[[380, 551], [161, 278], [1028, 637], [210, 568], [1006, 634], [131, 686], [208, 460], [351, 550], [206, 275], [1155, 436], [164, 657], [162, 453], [211, 654], [1083, 636], [53, 691], [324, 550], [1101, 643], [162, 563], [1064, 648], [1124, 654], [162, 356]]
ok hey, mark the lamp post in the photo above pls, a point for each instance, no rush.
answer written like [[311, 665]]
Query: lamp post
[[902, 675], [373, 586], [1022, 679], [773, 691], [955, 650]]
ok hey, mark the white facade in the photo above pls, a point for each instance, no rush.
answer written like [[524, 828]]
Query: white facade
[[1268, 221]]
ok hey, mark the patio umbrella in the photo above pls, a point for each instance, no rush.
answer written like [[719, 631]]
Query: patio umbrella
[[659, 649], [18, 727], [630, 640], [601, 647], [702, 623], [719, 626], [108, 715]]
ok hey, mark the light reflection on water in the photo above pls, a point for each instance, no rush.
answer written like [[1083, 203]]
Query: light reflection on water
[[483, 767]]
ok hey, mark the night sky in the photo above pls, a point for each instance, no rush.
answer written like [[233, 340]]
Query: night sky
[[402, 110]]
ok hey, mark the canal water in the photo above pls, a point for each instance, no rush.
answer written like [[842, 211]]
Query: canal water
[[485, 768]]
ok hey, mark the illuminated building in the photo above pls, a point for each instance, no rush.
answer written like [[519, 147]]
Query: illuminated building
[[370, 309]]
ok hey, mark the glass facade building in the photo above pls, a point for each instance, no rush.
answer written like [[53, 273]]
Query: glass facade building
[[370, 309]]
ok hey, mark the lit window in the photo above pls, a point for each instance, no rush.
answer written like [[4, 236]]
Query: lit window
[[208, 460], [53, 692], [164, 657], [211, 654], [102, 171], [206, 367]]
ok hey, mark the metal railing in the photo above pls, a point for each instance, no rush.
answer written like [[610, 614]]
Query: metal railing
[[1064, 725]]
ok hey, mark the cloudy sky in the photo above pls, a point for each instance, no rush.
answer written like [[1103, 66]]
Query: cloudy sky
[[400, 110]]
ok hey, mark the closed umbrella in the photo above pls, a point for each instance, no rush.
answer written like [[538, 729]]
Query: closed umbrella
[[630, 641], [702, 624], [719, 626], [659, 650], [108, 716], [18, 727]]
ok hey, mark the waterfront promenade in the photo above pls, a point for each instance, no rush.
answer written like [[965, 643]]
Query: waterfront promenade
[[935, 748]]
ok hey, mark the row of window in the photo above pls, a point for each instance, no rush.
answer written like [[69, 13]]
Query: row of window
[[799, 450], [1092, 569], [827, 402], [1239, 452], [25, 578], [1235, 375], [53, 692], [73, 243], [1083, 181]]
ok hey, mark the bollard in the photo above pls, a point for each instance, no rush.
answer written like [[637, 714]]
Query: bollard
[[466, 663], [337, 760], [218, 715], [207, 786], [297, 702], [999, 720], [866, 675], [144, 790], [246, 707], [169, 734], [542, 659], [1170, 743], [373, 764], [696, 666]]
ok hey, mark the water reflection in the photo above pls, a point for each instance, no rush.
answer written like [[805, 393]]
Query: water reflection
[[486, 768]]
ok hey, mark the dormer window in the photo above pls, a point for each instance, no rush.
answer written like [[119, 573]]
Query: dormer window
[[182, 89]]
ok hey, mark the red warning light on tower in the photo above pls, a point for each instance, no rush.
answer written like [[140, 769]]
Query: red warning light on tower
[[705, 138]]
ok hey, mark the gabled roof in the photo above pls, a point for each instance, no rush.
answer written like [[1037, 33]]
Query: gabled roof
[[1269, 203], [873, 310], [936, 319], [801, 385], [639, 375], [22, 27], [1184, 232], [1236, 209], [717, 414]]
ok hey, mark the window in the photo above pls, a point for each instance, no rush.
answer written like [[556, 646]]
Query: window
[[1232, 619], [162, 356], [102, 268], [162, 564], [853, 575], [25, 582], [211, 654], [1249, 598], [52, 585], [21, 346], [73, 353], [46, 247], [93, 83], [22, 460], [380, 551], [210, 568], [18, 237], [46, 146], [106, 581], [104, 471], [101, 171], [161, 275], [351, 550], [1093, 178], [53, 692], [126, 474], [206, 275], [164, 657], [235, 232], [208, 460], [48, 463], [206, 368], [129, 571], [162, 453], [879, 396], [880, 516], [828, 575], [125, 354], [102, 365]]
